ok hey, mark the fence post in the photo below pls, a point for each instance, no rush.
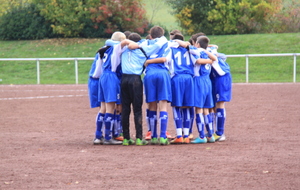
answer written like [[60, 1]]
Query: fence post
[[294, 75], [76, 71], [38, 70], [247, 68]]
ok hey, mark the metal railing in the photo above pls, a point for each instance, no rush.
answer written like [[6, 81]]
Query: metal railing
[[91, 58], [268, 55]]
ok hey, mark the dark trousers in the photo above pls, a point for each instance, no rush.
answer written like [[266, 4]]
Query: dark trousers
[[132, 93]]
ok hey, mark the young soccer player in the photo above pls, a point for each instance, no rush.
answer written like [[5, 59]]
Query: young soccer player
[[157, 84], [221, 90], [109, 88], [182, 71], [203, 92], [93, 89], [131, 84]]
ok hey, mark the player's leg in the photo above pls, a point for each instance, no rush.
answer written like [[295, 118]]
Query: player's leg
[[208, 126], [153, 121], [163, 118], [186, 124], [178, 124], [126, 103], [93, 89], [213, 116], [136, 90], [223, 94], [118, 131], [220, 121], [148, 134], [192, 115], [200, 122]]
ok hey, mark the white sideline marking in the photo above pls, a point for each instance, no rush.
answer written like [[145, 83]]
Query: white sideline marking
[[41, 97]]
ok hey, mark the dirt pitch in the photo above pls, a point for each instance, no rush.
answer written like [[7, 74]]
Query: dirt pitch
[[46, 134]]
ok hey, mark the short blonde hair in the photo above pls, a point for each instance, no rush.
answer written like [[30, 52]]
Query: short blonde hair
[[118, 36]]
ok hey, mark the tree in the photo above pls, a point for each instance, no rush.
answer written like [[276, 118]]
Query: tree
[[197, 13], [66, 16], [128, 15]]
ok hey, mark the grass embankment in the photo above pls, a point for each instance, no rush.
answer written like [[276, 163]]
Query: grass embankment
[[261, 69]]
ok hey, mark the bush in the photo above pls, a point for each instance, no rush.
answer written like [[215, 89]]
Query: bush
[[24, 23]]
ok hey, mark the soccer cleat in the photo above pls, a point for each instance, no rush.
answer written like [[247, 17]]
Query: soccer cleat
[[127, 142], [163, 141], [140, 142], [199, 140], [119, 138], [169, 136], [154, 141], [191, 136], [177, 141], [112, 142], [98, 141], [223, 138], [148, 135], [219, 138], [186, 140], [211, 139]]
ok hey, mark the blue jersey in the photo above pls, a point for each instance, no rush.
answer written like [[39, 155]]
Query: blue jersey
[[219, 67], [93, 71], [180, 61], [153, 67], [203, 69], [108, 65]]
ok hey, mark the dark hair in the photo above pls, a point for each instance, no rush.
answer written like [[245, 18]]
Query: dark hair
[[203, 41], [173, 32], [191, 41], [195, 36], [127, 33], [134, 37], [148, 37], [157, 32], [178, 37]]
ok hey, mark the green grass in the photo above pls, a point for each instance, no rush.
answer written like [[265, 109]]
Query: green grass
[[261, 69], [161, 14]]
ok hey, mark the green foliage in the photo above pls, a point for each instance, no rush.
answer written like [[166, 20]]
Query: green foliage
[[23, 23], [287, 18], [196, 13], [66, 16], [128, 15], [8, 5], [223, 17], [237, 16]]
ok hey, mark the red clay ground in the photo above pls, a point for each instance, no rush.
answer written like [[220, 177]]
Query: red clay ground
[[46, 137]]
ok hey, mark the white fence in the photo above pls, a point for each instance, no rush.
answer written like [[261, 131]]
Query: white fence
[[91, 58]]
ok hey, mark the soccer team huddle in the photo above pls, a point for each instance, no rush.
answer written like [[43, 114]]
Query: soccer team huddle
[[191, 76]]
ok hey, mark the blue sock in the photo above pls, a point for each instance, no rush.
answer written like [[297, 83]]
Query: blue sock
[[178, 121], [200, 125], [163, 116], [120, 129], [192, 115], [208, 125], [153, 123], [186, 122], [99, 124], [108, 118], [213, 119], [148, 119], [116, 125], [220, 121]]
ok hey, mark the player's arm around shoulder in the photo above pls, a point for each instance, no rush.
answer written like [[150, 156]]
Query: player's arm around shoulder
[[211, 59], [155, 60]]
